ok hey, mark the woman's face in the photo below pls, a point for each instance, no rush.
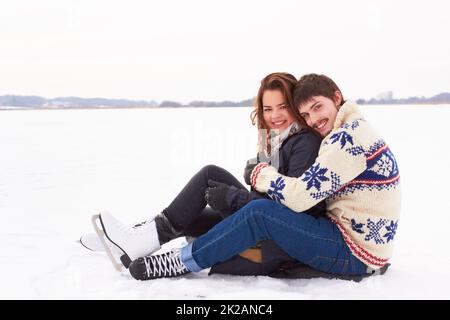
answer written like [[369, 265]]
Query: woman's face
[[275, 110]]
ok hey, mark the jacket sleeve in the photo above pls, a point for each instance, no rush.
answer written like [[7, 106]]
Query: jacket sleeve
[[341, 159], [302, 154]]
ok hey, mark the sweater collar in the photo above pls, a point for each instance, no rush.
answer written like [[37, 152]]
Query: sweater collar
[[348, 112]]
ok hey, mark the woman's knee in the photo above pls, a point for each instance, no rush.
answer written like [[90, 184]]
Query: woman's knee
[[209, 169]]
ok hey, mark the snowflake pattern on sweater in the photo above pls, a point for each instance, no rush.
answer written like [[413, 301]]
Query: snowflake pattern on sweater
[[383, 167], [343, 137], [315, 176], [375, 229], [353, 124], [392, 230], [276, 188], [335, 185], [358, 227], [381, 173], [347, 126]]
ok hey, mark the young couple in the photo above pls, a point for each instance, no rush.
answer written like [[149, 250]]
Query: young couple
[[325, 194]]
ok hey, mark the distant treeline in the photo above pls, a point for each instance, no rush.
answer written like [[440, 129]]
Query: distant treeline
[[70, 102], [75, 102], [442, 98], [226, 103]]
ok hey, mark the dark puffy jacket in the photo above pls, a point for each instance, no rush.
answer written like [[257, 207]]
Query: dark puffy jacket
[[297, 154]]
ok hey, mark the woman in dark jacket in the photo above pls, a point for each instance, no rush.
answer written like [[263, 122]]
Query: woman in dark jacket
[[284, 141], [297, 153]]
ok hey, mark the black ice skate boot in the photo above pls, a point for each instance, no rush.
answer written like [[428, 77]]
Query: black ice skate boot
[[166, 232], [166, 229], [164, 265]]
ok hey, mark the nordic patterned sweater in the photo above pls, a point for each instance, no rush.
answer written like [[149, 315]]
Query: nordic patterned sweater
[[358, 176]]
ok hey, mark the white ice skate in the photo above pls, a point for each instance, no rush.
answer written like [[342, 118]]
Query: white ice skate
[[135, 242], [112, 251], [92, 242]]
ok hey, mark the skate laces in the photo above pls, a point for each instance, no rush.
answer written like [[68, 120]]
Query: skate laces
[[165, 264]]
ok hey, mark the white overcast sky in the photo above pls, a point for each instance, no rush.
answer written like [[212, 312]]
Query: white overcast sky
[[220, 49]]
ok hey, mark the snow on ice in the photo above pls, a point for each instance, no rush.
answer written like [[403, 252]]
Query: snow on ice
[[59, 167]]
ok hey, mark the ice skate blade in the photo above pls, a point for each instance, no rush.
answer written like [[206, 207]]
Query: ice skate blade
[[81, 242], [101, 235]]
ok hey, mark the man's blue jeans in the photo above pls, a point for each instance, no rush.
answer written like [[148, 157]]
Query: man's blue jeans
[[315, 242]]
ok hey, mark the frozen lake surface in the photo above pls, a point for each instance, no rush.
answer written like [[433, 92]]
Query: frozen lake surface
[[59, 167]]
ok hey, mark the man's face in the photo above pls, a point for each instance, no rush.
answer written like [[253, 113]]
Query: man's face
[[319, 113]]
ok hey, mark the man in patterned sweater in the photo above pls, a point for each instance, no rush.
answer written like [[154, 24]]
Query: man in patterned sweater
[[355, 172]]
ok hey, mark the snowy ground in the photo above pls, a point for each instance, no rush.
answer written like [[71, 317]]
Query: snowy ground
[[58, 167]]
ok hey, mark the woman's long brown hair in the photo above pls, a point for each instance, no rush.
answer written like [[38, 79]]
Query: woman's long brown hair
[[285, 83]]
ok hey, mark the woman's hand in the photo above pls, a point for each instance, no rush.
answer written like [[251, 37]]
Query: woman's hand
[[216, 195], [248, 171]]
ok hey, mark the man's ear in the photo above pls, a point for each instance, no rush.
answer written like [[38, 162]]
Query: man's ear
[[338, 98]]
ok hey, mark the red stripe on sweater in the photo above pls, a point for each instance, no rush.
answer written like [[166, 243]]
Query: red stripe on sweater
[[373, 182], [363, 254], [377, 152]]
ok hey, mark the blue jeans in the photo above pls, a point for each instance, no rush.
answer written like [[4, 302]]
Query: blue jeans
[[315, 242]]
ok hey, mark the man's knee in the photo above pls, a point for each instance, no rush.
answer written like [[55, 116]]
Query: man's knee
[[261, 206], [266, 207], [266, 203], [259, 202]]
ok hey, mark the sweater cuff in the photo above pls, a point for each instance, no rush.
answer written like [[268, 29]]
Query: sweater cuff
[[255, 172]]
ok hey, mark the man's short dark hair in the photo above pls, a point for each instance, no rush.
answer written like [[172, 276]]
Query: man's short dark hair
[[311, 85]]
